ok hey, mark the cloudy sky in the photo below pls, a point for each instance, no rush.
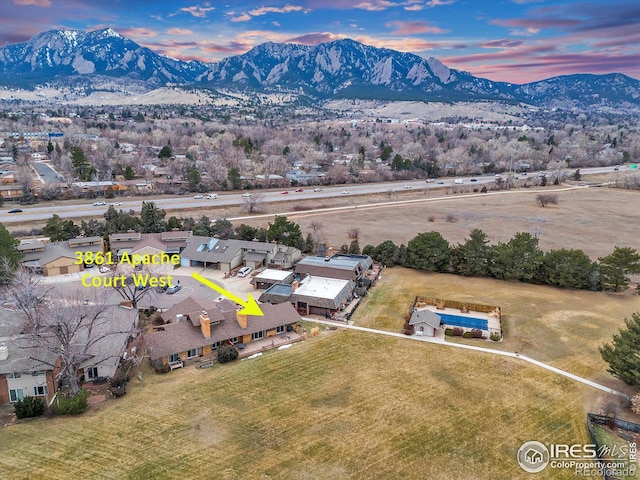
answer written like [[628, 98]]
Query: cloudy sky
[[516, 41]]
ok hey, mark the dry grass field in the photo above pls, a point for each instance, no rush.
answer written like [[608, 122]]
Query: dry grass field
[[353, 405], [349, 404]]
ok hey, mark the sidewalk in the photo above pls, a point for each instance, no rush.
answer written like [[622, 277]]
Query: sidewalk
[[442, 341]]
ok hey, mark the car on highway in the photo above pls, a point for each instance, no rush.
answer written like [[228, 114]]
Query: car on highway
[[15, 210], [299, 190], [345, 192], [284, 193], [211, 196], [473, 180], [440, 182], [616, 168], [244, 271], [317, 189], [198, 197], [173, 289], [99, 203], [246, 194], [408, 187], [430, 180], [116, 204]]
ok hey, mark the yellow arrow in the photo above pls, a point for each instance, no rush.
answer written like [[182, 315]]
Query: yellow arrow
[[251, 307]]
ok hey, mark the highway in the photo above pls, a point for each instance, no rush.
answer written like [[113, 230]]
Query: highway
[[42, 212]]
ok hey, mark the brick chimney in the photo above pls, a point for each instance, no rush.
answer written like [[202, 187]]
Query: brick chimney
[[242, 320], [205, 324]]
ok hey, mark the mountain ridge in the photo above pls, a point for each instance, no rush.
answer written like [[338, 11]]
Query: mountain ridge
[[342, 68]]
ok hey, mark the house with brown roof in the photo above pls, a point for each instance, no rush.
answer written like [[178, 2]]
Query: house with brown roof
[[131, 242], [342, 266], [197, 327], [57, 258]]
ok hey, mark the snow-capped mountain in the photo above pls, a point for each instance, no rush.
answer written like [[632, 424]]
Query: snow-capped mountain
[[343, 68], [65, 53]]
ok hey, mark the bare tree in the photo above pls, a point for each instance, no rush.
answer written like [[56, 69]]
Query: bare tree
[[545, 199], [254, 203], [73, 330], [354, 233], [28, 295]]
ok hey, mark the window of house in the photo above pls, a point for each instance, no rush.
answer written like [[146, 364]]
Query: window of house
[[257, 335], [40, 390], [234, 340], [215, 346], [280, 329], [13, 375], [15, 395], [192, 353], [92, 372], [174, 358], [38, 374]]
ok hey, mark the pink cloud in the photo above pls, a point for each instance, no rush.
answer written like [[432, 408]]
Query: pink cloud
[[535, 22], [264, 10], [179, 31], [375, 5], [315, 38], [502, 43], [136, 32], [241, 18], [413, 27], [35, 3]]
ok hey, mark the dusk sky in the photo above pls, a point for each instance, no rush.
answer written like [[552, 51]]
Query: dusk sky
[[515, 41]]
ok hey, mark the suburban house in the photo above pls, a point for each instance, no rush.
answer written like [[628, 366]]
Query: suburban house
[[271, 276], [25, 368], [131, 242], [57, 258], [342, 266], [196, 327], [424, 322], [313, 295], [226, 255]]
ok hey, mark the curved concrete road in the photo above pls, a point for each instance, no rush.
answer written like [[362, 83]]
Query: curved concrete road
[[478, 349]]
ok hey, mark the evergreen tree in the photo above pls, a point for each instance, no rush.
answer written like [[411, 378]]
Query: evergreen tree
[[50, 147], [165, 152], [615, 267], [8, 254], [623, 353], [222, 228], [152, 218], [59, 230], [472, 257], [428, 251], [354, 247], [129, 173], [285, 232], [519, 259], [233, 175], [567, 269], [308, 244]]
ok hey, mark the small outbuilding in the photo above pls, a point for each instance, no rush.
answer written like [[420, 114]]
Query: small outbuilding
[[424, 323]]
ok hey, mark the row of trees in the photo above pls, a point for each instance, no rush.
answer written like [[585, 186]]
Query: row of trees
[[518, 259]]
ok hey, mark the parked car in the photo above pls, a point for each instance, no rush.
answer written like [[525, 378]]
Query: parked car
[[15, 210], [198, 197], [246, 194], [244, 271], [211, 196], [299, 190], [173, 289], [317, 189], [99, 203]]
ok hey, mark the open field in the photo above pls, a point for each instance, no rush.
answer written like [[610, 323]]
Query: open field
[[342, 405], [592, 219], [349, 404]]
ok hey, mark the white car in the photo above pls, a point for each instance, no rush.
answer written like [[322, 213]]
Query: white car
[[317, 189], [345, 192], [100, 203], [246, 194], [198, 197], [116, 204], [244, 271], [408, 187], [211, 196]]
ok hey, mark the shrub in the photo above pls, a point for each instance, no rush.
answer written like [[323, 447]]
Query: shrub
[[71, 405], [432, 218], [448, 332], [495, 336], [467, 335], [29, 407], [227, 353], [457, 332], [476, 333]]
